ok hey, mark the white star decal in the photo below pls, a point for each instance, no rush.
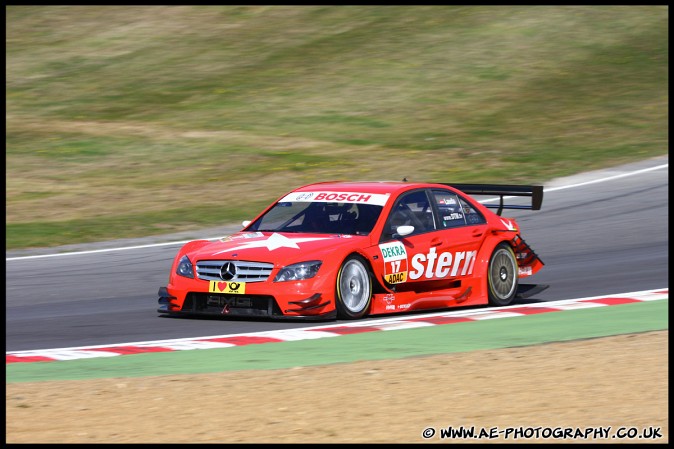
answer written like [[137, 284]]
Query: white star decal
[[508, 224], [273, 242]]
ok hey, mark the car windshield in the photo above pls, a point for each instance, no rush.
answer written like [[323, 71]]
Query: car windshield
[[319, 217]]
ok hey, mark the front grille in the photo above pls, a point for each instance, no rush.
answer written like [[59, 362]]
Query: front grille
[[231, 305], [209, 270]]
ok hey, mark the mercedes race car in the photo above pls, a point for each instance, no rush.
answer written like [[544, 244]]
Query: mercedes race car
[[351, 249]]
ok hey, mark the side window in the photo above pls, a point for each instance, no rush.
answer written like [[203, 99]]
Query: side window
[[451, 213], [412, 209], [473, 216]]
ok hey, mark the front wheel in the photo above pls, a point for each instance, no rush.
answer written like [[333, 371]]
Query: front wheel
[[353, 288], [502, 275]]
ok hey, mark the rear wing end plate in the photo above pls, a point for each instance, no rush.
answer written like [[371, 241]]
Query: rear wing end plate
[[502, 191]]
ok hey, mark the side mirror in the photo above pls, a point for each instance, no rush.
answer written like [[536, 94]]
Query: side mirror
[[404, 230], [245, 223]]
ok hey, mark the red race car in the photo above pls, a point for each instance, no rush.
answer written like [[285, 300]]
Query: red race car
[[351, 249]]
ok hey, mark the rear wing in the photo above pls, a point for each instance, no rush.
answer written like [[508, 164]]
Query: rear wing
[[534, 192]]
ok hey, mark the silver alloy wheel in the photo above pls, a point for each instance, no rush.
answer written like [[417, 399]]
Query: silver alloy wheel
[[354, 286], [503, 274]]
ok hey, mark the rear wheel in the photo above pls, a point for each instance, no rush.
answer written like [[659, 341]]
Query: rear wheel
[[502, 275], [353, 288]]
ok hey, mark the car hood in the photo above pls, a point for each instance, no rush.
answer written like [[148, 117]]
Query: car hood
[[276, 247]]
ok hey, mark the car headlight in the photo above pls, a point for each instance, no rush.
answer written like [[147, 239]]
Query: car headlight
[[298, 271], [185, 268]]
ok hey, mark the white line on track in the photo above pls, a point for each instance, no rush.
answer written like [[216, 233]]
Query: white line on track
[[610, 178], [155, 245]]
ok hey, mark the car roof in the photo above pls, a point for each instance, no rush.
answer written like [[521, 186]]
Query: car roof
[[365, 186]]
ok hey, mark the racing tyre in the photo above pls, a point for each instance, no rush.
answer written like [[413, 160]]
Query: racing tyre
[[353, 290], [502, 276]]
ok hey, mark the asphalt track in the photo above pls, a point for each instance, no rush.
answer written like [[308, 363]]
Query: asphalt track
[[595, 238]]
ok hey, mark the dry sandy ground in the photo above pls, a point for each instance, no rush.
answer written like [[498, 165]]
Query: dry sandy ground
[[619, 381]]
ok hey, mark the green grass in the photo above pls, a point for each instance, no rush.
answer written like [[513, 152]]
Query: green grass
[[85, 230], [139, 112], [444, 339]]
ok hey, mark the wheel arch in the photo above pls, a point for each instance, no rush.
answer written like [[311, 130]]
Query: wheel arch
[[367, 265], [484, 254], [485, 251], [377, 285], [493, 296]]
